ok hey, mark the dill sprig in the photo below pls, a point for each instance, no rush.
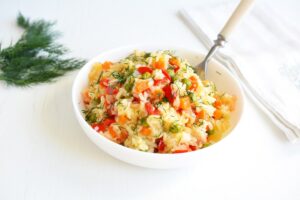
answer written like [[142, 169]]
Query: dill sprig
[[120, 77], [35, 57]]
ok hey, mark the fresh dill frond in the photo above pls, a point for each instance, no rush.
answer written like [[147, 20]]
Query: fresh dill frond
[[120, 77], [35, 57]]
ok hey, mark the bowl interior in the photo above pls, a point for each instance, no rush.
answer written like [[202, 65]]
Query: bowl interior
[[224, 81]]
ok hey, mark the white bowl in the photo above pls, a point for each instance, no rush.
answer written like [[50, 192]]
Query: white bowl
[[224, 81]]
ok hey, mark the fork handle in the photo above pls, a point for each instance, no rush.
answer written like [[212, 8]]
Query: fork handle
[[236, 17]]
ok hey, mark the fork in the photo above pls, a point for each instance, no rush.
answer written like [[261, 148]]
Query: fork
[[240, 11]]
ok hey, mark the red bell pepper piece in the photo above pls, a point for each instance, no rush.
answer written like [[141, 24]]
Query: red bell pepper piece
[[111, 90], [102, 126], [104, 82], [193, 148], [166, 74], [143, 70], [151, 109], [160, 144], [169, 94]]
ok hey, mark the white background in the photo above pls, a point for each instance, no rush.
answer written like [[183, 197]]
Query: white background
[[44, 154]]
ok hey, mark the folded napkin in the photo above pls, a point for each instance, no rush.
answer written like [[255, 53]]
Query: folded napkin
[[263, 53]]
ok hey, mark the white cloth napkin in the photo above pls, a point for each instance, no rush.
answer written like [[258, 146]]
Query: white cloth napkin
[[264, 55]]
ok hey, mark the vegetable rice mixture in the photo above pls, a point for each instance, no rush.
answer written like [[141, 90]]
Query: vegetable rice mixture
[[155, 102]]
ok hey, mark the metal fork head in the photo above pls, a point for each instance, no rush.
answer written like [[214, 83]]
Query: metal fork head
[[201, 68]]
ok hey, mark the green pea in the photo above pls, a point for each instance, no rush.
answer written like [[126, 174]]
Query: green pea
[[171, 72], [146, 75]]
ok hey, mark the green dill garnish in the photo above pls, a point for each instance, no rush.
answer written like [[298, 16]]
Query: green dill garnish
[[144, 121], [120, 77], [147, 54], [129, 71], [175, 128], [90, 116], [97, 101], [192, 96], [158, 104], [35, 57], [198, 123], [129, 84], [165, 99], [99, 78]]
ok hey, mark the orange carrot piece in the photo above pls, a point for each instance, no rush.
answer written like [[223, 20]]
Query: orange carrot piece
[[218, 114], [194, 84], [122, 119], [229, 101], [160, 64], [106, 65], [174, 61], [185, 103], [218, 104], [146, 131], [157, 94], [112, 132], [202, 115], [85, 96], [141, 86]]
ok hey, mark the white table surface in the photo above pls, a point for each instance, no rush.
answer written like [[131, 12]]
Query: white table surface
[[44, 154]]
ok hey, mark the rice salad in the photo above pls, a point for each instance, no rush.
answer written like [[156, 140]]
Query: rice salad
[[155, 102]]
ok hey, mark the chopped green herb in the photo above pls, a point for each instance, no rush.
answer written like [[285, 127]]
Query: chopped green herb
[[120, 77], [96, 101], [147, 54], [99, 78], [129, 71], [144, 121], [165, 99], [129, 84], [90, 116], [175, 128], [192, 96]]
